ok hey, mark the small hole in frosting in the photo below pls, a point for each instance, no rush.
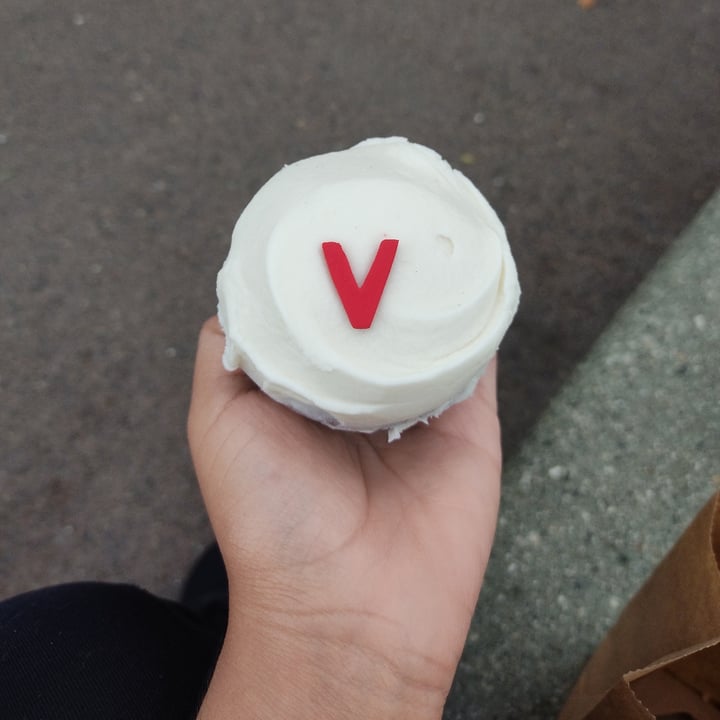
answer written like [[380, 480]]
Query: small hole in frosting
[[446, 244]]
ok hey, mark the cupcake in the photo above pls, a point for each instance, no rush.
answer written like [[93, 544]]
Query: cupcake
[[367, 289]]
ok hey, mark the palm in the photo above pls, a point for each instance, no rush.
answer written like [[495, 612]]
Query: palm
[[347, 525]]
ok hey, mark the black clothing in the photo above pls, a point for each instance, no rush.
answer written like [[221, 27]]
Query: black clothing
[[97, 651]]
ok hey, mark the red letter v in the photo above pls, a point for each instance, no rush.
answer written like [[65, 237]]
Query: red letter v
[[360, 302]]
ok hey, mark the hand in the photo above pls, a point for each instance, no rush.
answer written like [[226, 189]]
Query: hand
[[354, 564]]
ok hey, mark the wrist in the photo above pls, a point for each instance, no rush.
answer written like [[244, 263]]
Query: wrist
[[281, 671]]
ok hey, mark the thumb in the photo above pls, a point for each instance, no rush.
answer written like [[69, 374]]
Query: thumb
[[213, 386]]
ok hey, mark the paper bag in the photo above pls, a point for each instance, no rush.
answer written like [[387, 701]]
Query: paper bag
[[662, 657]]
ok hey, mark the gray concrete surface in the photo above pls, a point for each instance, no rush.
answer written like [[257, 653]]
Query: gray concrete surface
[[132, 134], [620, 463]]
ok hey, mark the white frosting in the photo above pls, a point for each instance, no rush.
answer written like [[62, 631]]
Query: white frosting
[[450, 296]]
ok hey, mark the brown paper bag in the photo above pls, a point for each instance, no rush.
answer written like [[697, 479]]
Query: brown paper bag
[[662, 657]]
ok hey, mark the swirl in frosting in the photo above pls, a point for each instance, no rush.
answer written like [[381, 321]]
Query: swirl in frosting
[[451, 293]]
